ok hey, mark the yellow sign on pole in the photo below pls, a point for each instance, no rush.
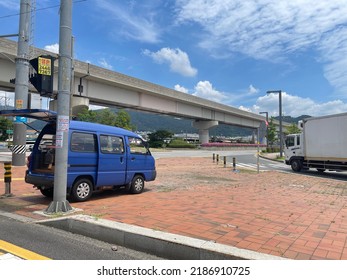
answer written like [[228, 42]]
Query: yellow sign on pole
[[44, 66], [19, 104]]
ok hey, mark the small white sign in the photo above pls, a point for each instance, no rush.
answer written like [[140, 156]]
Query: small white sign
[[59, 140], [63, 123]]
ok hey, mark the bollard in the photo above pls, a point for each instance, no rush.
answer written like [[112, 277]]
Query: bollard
[[213, 157], [225, 161], [8, 178], [234, 164], [217, 158]]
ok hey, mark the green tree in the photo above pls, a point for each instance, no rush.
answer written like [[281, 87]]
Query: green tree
[[123, 120], [5, 124], [108, 117], [105, 116], [272, 132], [293, 129], [157, 139], [87, 116]]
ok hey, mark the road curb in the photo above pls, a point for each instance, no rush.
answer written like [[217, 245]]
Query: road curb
[[269, 158], [161, 244]]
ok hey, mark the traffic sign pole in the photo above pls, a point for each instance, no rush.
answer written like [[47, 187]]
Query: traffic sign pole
[[21, 82]]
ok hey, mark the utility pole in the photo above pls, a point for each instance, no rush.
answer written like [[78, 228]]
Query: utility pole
[[280, 116], [59, 203], [267, 128], [21, 83]]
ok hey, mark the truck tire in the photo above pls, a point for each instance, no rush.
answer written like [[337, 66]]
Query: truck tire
[[82, 190], [296, 165], [137, 184], [47, 192]]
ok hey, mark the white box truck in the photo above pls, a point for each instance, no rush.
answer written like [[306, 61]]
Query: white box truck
[[321, 144]]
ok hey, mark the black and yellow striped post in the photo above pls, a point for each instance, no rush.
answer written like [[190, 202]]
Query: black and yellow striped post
[[8, 178]]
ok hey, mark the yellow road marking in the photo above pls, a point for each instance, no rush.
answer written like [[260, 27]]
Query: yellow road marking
[[14, 179], [20, 252]]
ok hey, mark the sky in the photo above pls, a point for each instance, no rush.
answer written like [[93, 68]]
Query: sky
[[228, 51]]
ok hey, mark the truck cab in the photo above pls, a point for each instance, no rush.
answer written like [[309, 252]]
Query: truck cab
[[294, 151]]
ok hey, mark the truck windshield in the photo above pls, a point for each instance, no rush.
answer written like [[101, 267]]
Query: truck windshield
[[290, 141]]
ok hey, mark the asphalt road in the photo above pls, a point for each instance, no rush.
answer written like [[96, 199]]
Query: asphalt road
[[250, 161], [199, 153], [5, 155], [61, 245]]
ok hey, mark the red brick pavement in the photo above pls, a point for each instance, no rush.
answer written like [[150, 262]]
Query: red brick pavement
[[287, 215]]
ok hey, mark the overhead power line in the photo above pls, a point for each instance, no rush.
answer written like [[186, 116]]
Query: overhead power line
[[41, 9]]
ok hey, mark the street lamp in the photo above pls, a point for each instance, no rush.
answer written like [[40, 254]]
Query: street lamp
[[267, 127], [280, 116]]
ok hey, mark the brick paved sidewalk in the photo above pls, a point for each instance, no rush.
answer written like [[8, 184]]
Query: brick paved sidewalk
[[287, 215]]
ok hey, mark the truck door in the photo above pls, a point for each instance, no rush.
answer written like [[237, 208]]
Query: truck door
[[140, 160], [83, 156], [112, 161], [293, 146]]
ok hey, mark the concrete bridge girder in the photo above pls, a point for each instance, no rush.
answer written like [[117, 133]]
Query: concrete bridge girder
[[108, 88], [203, 127]]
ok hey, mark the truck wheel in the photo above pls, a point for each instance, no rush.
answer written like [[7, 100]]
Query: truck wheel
[[47, 192], [320, 170], [296, 165], [137, 184], [82, 190]]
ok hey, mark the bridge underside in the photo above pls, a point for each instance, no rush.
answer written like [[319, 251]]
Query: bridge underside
[[147, 101], [108, 88]]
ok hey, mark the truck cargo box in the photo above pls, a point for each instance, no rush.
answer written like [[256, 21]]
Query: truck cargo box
[[325, 138]]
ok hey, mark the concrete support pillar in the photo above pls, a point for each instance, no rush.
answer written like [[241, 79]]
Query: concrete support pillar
[[203, 127], [77, 104]]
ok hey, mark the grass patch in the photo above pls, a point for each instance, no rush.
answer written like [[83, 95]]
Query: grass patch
[[247, 171]]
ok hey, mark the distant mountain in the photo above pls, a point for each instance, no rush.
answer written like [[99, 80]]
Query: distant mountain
[[153, 122], [290, 119], [144, 121]]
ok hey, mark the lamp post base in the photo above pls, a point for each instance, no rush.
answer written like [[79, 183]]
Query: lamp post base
[[58, 207]]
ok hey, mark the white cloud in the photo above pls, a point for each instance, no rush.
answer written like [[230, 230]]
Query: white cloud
[[333, 48], [52, 48], [136, 24], [295, 106], [103, 63], [272, 29], [245, 108], [10, 4], [181, 89], [252, 89], [178, 60], [204, 89], [292, 105]]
